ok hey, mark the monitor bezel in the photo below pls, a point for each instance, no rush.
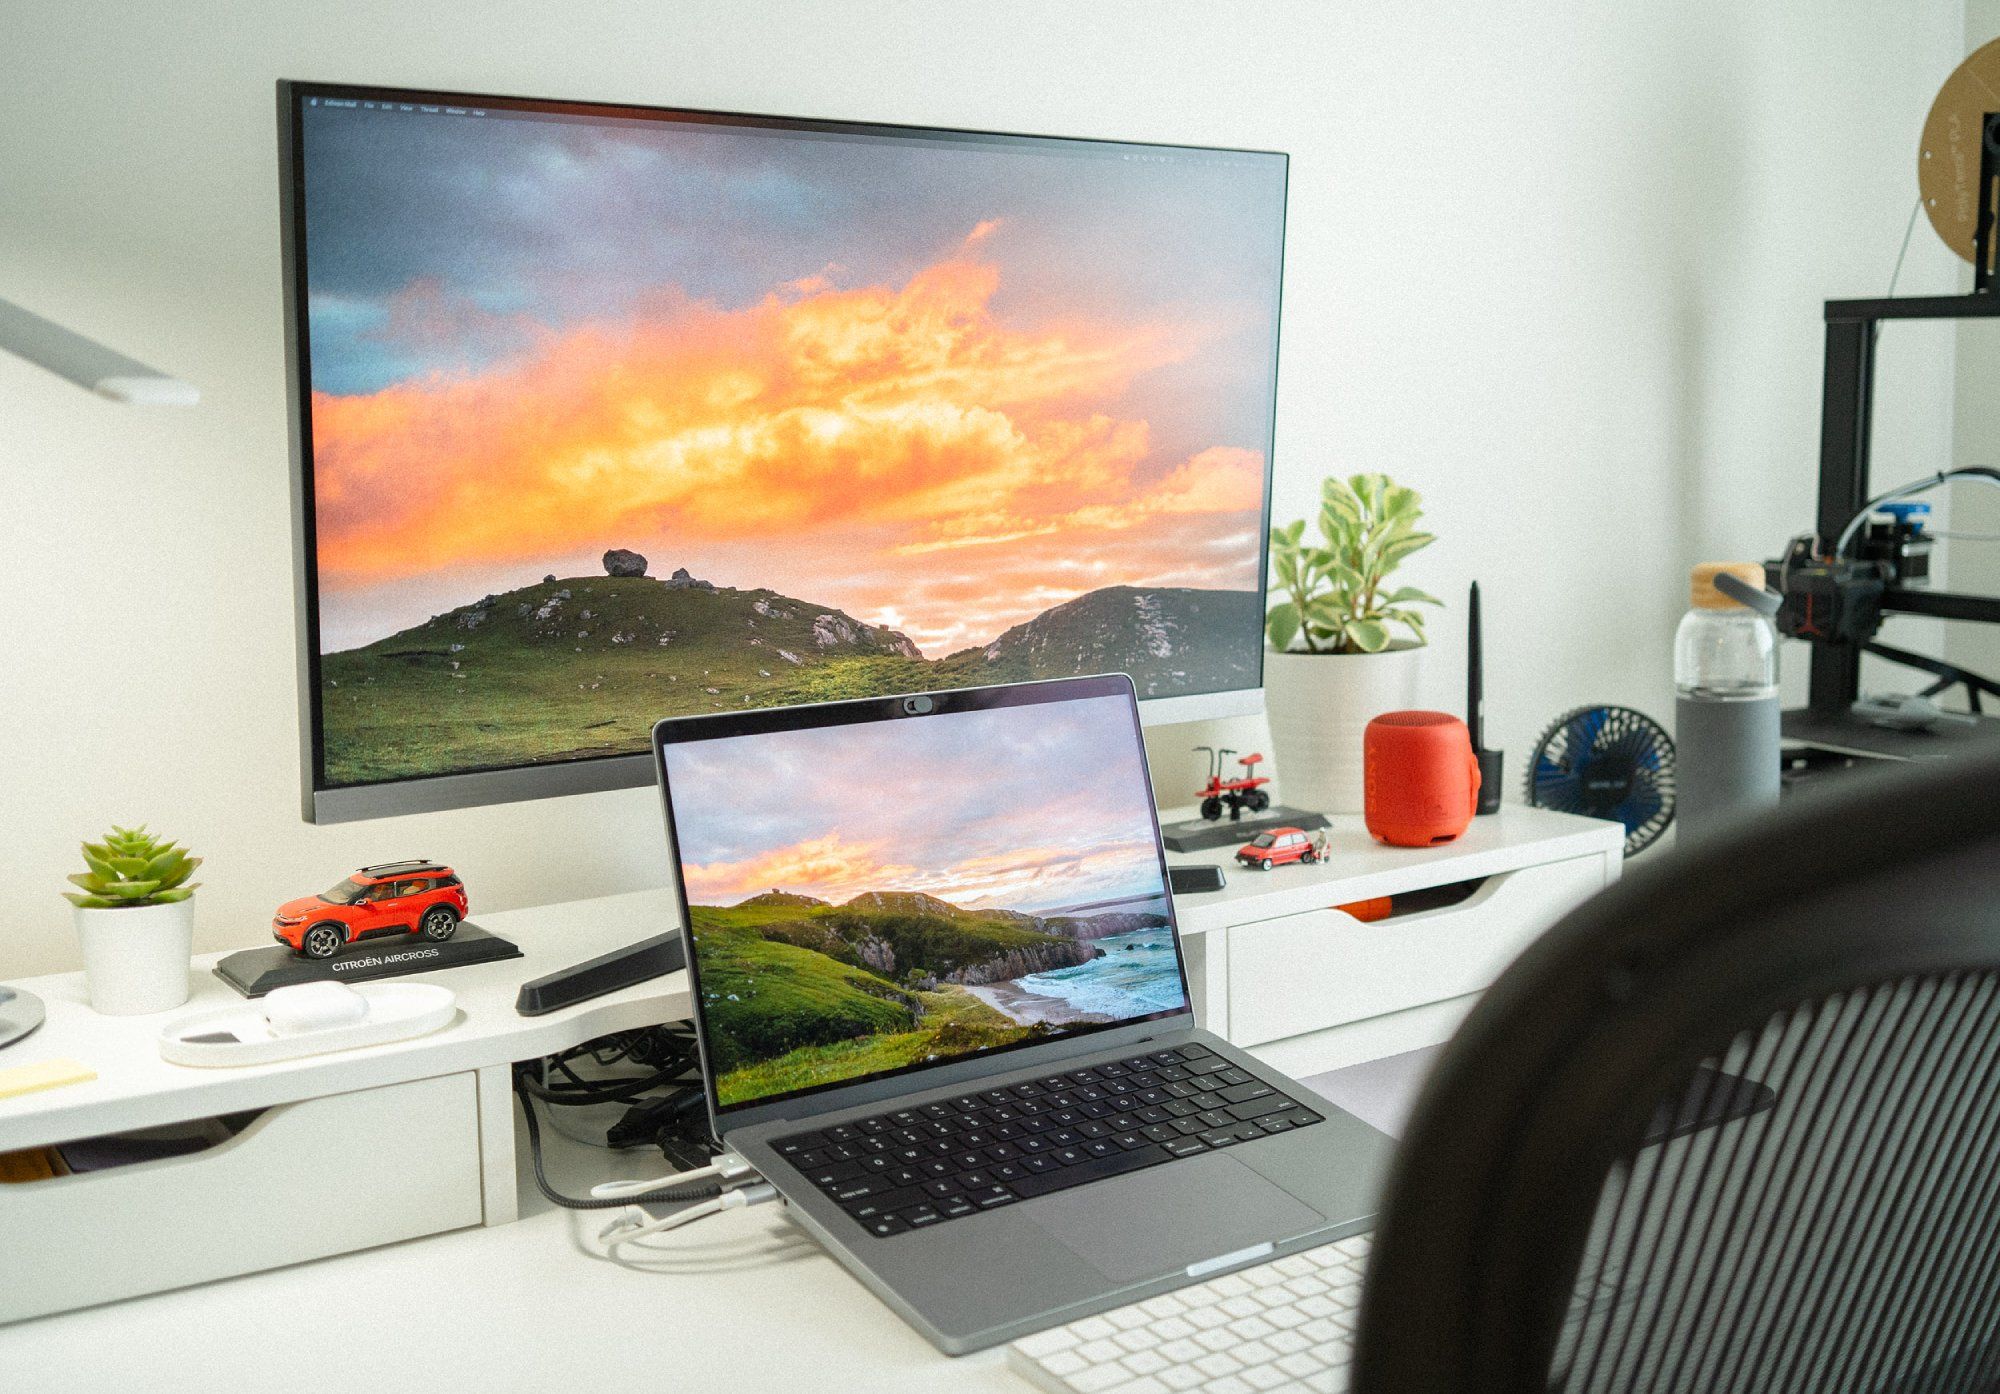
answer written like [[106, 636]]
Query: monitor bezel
[[884, 1084], [322, 802]]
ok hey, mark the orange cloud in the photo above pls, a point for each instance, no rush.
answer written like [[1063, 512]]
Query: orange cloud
[[834, 869], [865, 426], [828, 867]]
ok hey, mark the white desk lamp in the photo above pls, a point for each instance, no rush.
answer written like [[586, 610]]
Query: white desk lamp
[[88, 363], [20, 1013]]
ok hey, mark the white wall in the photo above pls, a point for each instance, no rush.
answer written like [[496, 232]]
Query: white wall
[[1558, 265]]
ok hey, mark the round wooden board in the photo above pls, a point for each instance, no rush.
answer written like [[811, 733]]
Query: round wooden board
[[1948, 159]]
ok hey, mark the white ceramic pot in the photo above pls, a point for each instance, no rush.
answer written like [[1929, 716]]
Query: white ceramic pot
[[1319, 704], [135, 959]]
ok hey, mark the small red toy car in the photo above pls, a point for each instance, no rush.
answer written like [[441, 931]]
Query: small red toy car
[[1276, 848], [419, 897]]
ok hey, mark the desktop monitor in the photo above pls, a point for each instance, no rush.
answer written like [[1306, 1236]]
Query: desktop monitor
[[605, 414]]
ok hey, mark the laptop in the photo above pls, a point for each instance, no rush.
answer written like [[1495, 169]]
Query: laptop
[[942, 1006]]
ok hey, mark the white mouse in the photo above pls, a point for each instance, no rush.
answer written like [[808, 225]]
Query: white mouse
[[295, 1011]]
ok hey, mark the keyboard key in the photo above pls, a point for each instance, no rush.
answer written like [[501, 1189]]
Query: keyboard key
[[1243, 1093], [1186, 1146], [1257, 1108], [886, 1203]]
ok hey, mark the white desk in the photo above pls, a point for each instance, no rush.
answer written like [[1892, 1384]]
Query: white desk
[[740, 1302]]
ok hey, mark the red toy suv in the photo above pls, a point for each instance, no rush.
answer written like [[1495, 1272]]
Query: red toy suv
[[420, 897], [1277, 847]]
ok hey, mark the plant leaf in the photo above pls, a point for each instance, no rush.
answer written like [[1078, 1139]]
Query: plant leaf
[[89, 902], [1370, 636], [1410, 595], [1281, 625], [180, 873], [126, 890], [91, 881], [1285, 562], [1395, 549], [179, 893]]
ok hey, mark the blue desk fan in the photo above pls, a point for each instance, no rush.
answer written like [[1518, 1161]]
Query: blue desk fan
[[1607, 762]]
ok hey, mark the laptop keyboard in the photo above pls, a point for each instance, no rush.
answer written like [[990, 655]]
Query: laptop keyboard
[[916, 1167]]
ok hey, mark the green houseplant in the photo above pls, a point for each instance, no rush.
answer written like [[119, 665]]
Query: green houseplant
[[1346, 643], [1336, 596], [135, 918]]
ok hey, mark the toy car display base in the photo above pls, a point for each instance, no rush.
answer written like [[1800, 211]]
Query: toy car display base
[[254, 972], [1199, 835]]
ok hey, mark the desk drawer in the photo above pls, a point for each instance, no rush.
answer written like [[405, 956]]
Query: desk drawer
[[1306, 972], [302, 1181]]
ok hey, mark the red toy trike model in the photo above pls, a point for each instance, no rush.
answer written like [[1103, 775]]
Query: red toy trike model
[[420, 897], [1245, 791], [1278, 847]]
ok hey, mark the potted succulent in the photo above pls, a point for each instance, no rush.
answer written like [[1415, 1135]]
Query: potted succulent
[[1345, 645], [136, 921]]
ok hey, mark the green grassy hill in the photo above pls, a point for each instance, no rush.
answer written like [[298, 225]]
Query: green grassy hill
[[799, 992], [583, 666], [580, 667]]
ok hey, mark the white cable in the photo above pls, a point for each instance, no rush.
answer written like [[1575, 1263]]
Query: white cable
[[630, 1228], [727, 1166], [1980, 472]]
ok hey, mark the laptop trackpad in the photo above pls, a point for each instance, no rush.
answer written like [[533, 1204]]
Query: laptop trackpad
[[1167, 1217]]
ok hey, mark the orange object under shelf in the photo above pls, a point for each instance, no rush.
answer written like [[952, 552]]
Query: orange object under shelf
[[1370, 910]]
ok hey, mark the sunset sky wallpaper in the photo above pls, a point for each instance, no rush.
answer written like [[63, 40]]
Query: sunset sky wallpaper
[[940, 386], [1036, 808]]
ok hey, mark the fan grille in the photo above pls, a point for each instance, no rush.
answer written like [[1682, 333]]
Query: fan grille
[[1607, 762]]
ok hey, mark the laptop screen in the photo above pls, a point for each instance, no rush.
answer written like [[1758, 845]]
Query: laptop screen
[[874, 893]]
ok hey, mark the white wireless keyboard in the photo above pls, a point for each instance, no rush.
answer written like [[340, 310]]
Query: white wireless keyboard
[[1283, 1325]]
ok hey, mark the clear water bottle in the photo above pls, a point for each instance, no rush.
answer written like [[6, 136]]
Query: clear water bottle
[[1726, 699]]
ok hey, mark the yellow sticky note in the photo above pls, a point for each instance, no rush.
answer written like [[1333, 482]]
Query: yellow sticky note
[[43, 1074]]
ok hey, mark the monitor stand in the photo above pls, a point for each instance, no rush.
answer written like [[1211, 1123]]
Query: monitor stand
[[20, 1013], [1201, 835]]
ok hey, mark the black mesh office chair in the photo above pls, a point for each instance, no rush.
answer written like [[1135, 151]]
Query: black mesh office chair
[[1827, 986]]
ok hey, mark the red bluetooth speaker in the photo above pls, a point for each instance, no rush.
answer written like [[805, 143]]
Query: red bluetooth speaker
[[1421, 778]]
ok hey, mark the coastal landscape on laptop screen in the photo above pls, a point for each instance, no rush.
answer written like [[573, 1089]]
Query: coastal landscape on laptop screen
[[616, 419], [875, 897]]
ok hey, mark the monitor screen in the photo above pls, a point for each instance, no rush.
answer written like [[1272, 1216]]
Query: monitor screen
[[875, 893], [610, 414]]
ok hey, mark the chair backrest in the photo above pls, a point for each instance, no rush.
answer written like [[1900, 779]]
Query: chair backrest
[[1808, 1013]]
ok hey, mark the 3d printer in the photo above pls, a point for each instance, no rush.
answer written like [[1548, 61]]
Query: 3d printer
[[1868, 558]]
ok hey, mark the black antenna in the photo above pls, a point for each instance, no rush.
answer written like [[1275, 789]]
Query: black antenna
[[1490, 764], [1475, 677]]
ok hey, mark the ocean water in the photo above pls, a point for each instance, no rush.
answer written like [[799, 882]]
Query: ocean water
[[1136, 976]]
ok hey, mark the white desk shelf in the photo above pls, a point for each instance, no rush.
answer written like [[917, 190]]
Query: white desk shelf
[[1277, 969], [1272, 965]]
